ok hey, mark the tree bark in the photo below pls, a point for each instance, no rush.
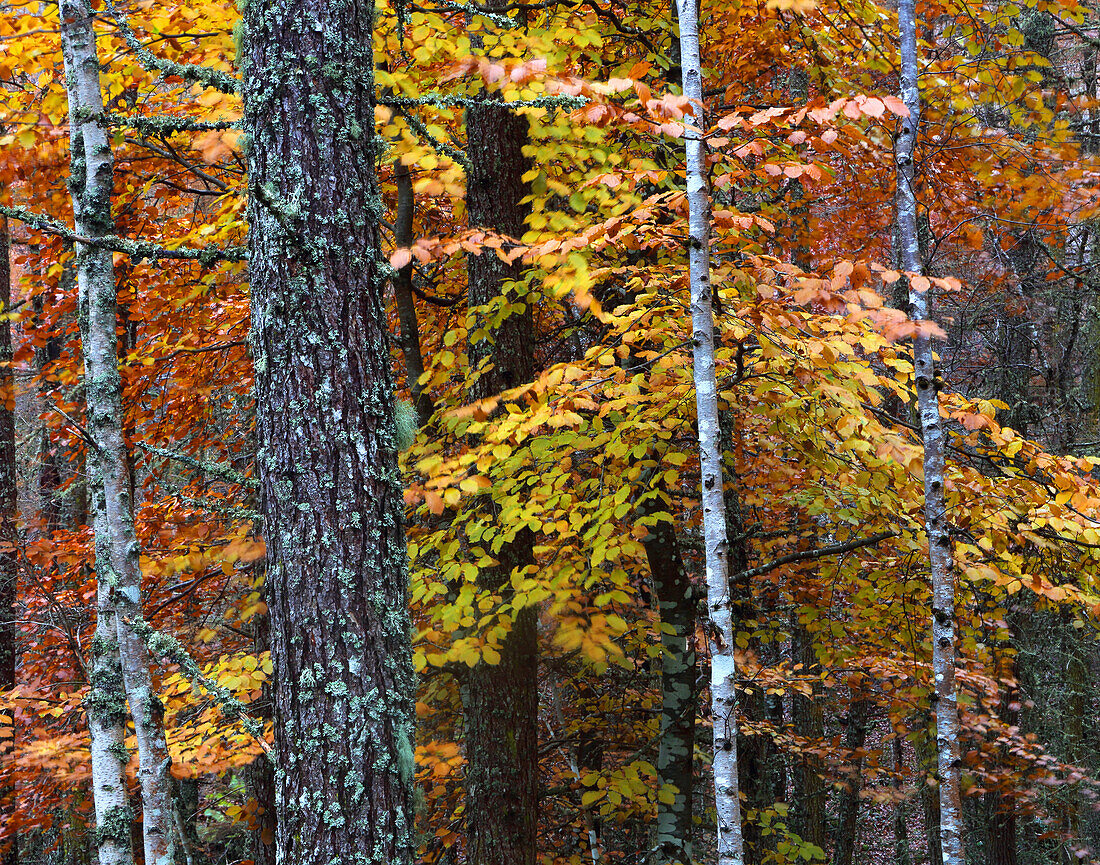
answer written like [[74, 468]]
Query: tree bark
[[902, 854], [9, 562], [500, 701], [675, 755], [116, 547], [808, 811], [939, 541], [337, 572], [721, 637], [848, 806]]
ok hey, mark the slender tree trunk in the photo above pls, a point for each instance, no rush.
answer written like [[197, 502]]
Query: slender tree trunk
[[49, 474], [261, 771], [1000, 814], [902, 855], [675, 756], [403, 294], [501, 700], [723, 668], [1073, 721], [929, 798], [337, 571], [116, 547], [848, 806], [939, 542], [761, 769], [9, 561]]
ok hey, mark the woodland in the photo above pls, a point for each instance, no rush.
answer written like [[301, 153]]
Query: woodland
[[572, 432]]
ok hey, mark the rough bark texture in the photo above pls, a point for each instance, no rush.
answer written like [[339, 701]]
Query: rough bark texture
[[500, 701], [928, 403], [9, 563], [337, 572], [721, 637], [675, 756], [116, 548]]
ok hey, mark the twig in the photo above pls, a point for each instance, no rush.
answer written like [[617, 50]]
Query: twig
[[805, 555]]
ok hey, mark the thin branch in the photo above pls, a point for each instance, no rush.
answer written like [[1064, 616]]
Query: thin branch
[[806, 555], [169, 648], [187, 71], [224, 472], [157, 125], [138, 250]]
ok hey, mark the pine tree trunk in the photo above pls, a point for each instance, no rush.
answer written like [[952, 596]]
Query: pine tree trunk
[[721, 637], [337, 572], [116, 547], [501, 701], [9, 562], [939, 542]]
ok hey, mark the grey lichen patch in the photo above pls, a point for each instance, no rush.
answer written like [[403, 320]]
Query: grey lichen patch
[[113, 827]]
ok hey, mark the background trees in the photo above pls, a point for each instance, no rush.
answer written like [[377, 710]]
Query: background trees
[[531, 202]]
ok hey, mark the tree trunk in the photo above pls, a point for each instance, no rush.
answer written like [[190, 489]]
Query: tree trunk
[[808, 811], [337, 572], [761, 769], [902, 855], [929, 798], [500, 701], [939, 541], [261, 771], [9, 561], [848, 807], [675, 756], [403, 294], [116, 547], [723, 668]]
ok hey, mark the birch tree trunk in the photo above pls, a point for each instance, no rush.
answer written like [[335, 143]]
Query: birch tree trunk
[[722, 667], [337, 570], [928, 403], [118, 649]]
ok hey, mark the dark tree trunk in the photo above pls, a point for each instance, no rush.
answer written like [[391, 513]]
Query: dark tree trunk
[[808, 811], [9, 563], [675, 758], [848, 806], [403, 294], [500, 701], [902, 855], [327, 457], [758, 762], [261, 772]]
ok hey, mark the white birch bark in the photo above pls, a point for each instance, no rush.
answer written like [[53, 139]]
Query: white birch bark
[[723, 669], [117, 555], [928, 403]]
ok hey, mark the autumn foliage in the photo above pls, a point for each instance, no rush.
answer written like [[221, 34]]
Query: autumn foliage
[[815, 379]]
